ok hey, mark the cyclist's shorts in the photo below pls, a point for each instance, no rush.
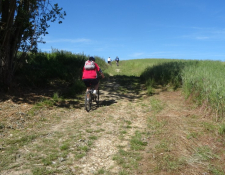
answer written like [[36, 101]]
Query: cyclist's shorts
[[89, 82], [109, 61]]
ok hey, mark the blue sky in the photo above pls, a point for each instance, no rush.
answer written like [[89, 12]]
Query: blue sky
[[133, 29]]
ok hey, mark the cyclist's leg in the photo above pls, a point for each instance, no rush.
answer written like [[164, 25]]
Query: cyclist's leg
[[95, 83], [96, 86], [87, 83], [88, 95]]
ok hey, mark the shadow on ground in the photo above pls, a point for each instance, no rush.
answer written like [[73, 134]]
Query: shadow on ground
[[123, 87], [112, 89]]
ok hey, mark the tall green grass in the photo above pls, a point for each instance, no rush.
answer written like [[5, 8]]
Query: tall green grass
[[202, 80], [163, 73], [44, 69], [205, 81], [133, 67]]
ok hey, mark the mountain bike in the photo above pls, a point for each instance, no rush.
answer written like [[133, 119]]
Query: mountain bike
[[92, 98]]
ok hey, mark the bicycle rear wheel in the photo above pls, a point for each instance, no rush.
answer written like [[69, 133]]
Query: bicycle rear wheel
[[88, 102]]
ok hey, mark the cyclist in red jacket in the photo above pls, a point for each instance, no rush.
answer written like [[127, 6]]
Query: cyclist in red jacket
[[90, 76]]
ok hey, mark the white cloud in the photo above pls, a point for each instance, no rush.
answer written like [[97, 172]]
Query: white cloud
[[219, 32], [137, 54], [159, 54], [206, 34], [202, 37]]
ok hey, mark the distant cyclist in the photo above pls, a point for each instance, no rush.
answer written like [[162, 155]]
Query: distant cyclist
[[117, 60], [109, 61], [90, 76]]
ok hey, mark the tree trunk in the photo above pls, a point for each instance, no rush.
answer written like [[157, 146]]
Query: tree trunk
[[17, 30], [8, 42]]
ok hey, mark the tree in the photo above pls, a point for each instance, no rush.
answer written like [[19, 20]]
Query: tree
[[22, 25]]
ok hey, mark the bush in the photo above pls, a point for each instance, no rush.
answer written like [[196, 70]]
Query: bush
[[45, 69]]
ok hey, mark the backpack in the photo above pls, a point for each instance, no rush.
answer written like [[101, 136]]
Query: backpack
[[89, 65]]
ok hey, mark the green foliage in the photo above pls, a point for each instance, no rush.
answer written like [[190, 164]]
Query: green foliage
[[222, 129], [133, 67], [127, 159], [41, 171], [56, 68], [216, 170], [44, 68], [101, 62], [192, 135], [150, 83], [23, 140], [204, 153], [209, 127], [136, 142], [56, 97], [2, 126], [202, 80], [76, 88], [65, 146], [156, 105], [205, 81], [48, 160], [45, 103], [165, 73], [169, 163], [93, 137], [21, 30], [101, 171]]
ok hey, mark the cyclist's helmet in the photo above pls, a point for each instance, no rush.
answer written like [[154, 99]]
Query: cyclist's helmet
[[91, 59]]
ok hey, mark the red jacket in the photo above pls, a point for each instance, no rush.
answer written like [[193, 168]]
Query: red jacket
[[91, 74]]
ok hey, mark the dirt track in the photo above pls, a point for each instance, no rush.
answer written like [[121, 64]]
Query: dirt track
[[172, 131]]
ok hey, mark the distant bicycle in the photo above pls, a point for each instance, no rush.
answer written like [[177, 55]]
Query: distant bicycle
[[92, 98], [117, 61]]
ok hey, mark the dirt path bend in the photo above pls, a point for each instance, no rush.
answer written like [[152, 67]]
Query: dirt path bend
[[129, 133]]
